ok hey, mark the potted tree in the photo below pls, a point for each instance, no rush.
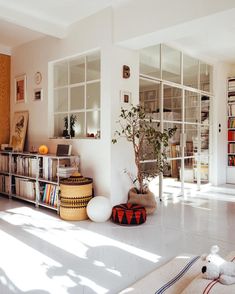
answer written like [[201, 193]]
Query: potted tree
[[148, 143]]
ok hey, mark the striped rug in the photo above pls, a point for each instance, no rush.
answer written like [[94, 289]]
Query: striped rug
[[171, 278], [181, 275], [203, 286]]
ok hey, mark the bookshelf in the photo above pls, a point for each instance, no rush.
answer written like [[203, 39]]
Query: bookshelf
[[35, 178], [231, 122]]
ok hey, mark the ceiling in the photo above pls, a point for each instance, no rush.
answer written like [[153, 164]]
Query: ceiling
[[25, 20], [21, 21]]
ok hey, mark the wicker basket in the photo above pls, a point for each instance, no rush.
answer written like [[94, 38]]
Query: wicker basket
[[76, 192]]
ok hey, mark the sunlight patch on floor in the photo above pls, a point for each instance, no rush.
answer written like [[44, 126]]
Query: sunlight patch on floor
[[12, 256], [61, 234]]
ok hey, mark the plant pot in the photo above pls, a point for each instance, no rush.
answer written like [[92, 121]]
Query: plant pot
[[72, 133], [147, 200], [65, 133]]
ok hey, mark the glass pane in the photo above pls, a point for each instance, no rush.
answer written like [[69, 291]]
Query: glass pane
[[174, 149], [59, 125], [93, 67], [171, 181], [77, 70], [93, 96], [192, 107], [149, 97], [171, 64], [190, 71], [61, 100], [172, 103], [147, 151], [191, 144], [77, 98], [205, 140], [203, 167], [188, 171], [93, 124], [150, 61], [205, 110], [79, 125], [61, 74], [205, 77]]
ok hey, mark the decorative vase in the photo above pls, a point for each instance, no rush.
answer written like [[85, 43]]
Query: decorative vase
[[147, 200]]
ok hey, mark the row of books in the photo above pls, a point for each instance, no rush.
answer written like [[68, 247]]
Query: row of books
[[231, 160], [4, 163], [231, 123], [27, 166], [231, 97], [231, 135], [25, 188], [231, 109], [4, 184], [50, 195], [231, 148], [53, 168], [231, 85]]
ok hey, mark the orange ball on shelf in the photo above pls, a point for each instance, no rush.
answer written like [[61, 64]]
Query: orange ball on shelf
[[43, 149]]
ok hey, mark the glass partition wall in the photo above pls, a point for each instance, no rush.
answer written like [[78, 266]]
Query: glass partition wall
[[175, 89]]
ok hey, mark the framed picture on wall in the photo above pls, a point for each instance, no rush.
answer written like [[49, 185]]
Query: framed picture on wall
[[20, 88], [37, 94], [18, 130], [125, 97]]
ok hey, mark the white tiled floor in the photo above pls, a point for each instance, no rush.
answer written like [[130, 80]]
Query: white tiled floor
[[39, 253]]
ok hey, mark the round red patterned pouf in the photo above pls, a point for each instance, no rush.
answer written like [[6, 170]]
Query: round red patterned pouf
[[128, 214]]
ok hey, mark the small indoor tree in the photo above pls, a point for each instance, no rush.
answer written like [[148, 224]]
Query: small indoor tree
[[147, 140]]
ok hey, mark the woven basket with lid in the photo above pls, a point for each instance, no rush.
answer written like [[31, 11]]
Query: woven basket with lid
[[75, 193]]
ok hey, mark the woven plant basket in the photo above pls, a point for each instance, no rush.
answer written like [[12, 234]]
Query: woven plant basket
[[75, 193]]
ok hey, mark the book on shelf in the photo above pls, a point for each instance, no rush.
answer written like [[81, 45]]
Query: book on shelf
[[231, 135], [231, 160], [231, 122], [231, 109], [231, 147], [5, 184], [50, 195], [25, 188], [25, 166], [4, 163], [66, 172]]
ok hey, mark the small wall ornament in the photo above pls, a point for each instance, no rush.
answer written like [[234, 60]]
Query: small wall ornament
[[37, 78], [126, 72]]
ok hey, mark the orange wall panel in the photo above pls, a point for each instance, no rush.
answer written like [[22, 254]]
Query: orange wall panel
[[5, 61]]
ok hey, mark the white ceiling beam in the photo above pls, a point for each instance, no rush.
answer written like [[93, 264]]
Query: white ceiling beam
[[33, 23]]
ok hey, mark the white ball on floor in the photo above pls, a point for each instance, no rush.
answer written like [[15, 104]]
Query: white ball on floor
[[99, 209]]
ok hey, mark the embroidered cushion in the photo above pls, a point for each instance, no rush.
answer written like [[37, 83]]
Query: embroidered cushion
[[128, 214]]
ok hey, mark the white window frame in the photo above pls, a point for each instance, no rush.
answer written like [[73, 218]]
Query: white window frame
[[85, 110]]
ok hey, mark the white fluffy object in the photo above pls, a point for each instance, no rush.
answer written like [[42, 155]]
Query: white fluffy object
[[218, 268]]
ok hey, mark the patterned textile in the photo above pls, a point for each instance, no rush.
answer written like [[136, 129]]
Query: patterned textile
[[203, 286], [128, 214], [181, 275], [171, 278]]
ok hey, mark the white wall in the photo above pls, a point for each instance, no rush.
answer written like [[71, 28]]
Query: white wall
[[97, 156], [93, 32], [219, 116], [122, 155]]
